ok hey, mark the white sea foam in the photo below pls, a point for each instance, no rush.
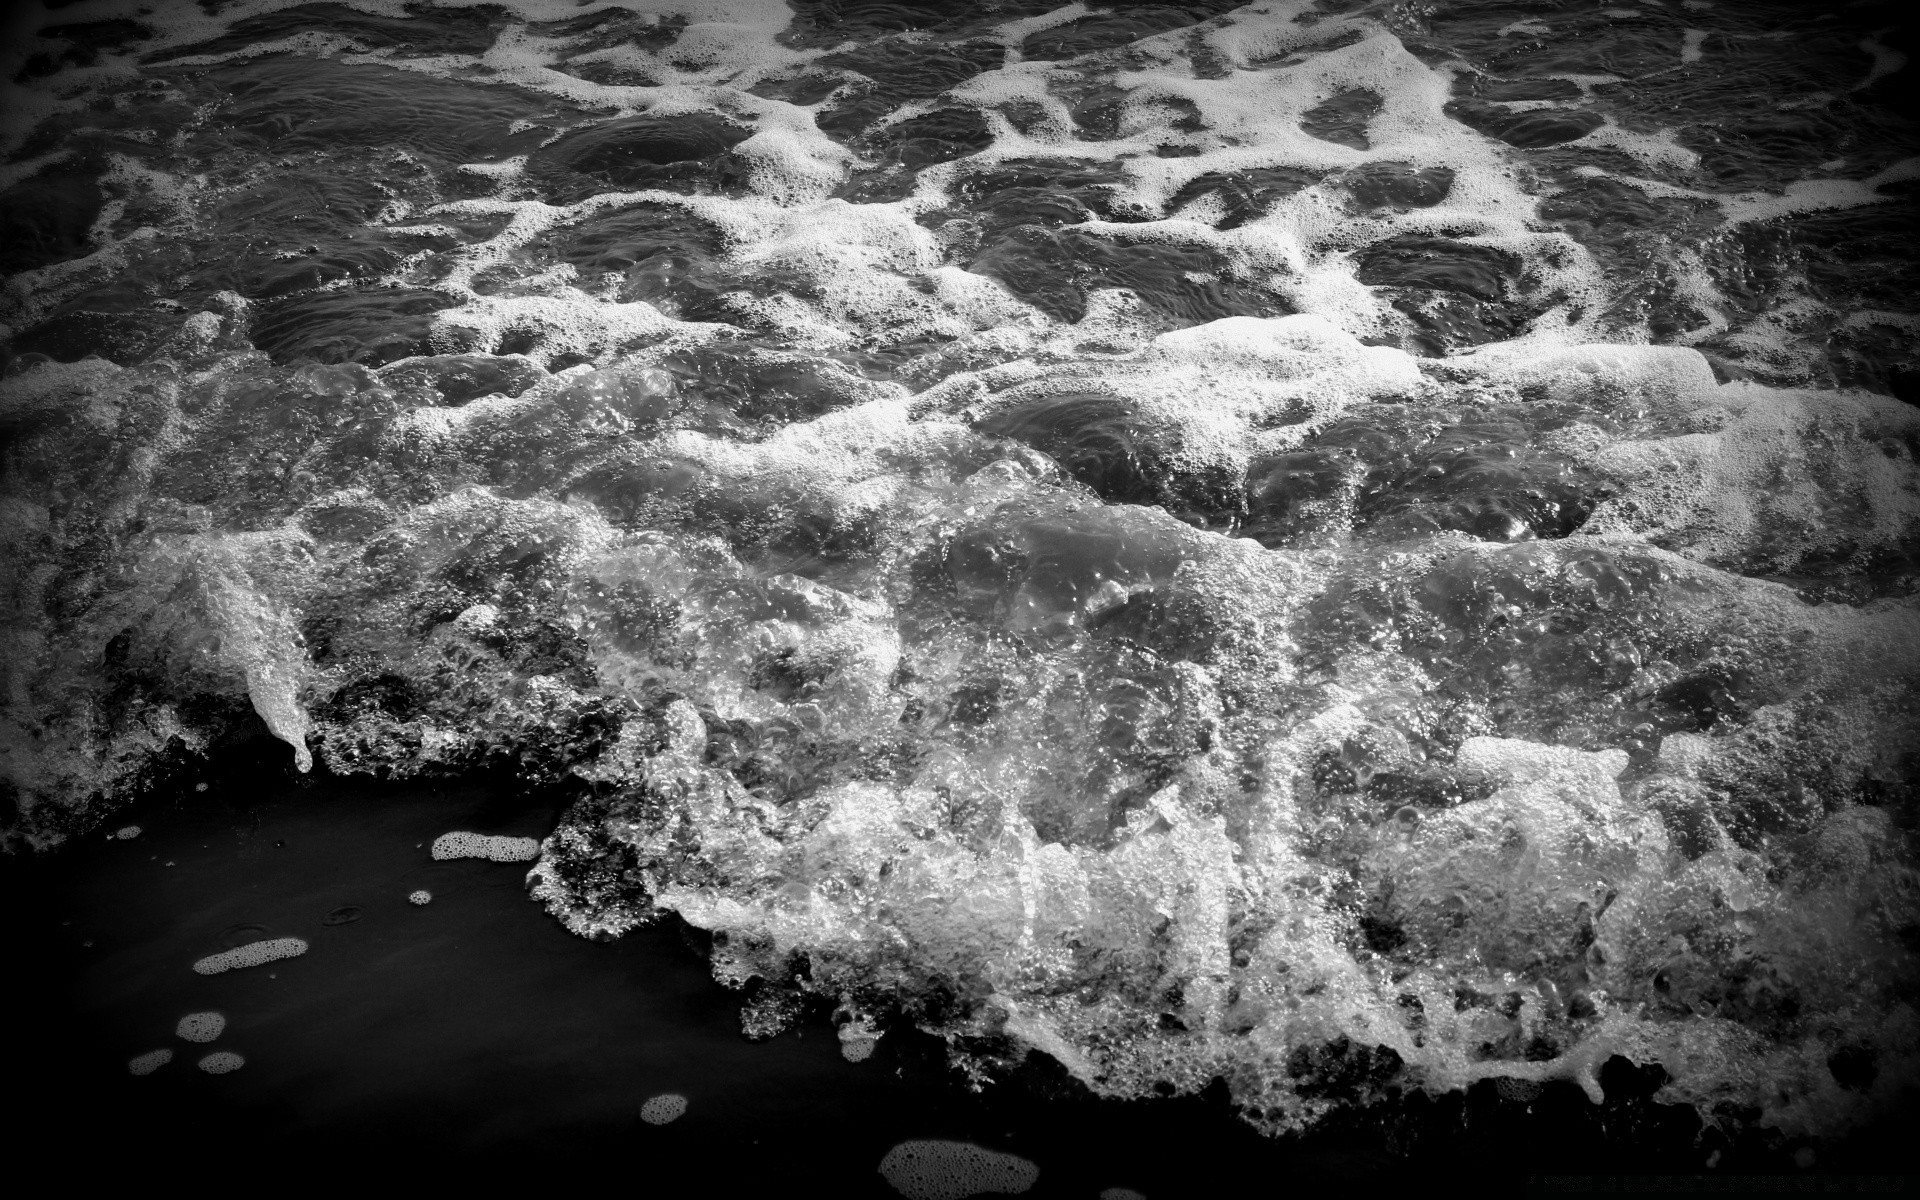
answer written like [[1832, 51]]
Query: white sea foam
[[253, 954], [1886, 61], [664, 1109], [222, 1062], [1012, 33], [1813, 195], [939, 1170], [148, 1063], [201, 1026], [495, 848]]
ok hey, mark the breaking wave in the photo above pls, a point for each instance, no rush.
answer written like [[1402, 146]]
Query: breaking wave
[[1337, 547]]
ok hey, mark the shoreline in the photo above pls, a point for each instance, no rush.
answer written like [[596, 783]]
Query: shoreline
[[476, 1031]]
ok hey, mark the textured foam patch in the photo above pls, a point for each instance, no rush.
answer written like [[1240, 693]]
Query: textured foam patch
[[941, 1170], [252, 954], [420, 897], [858, 1040], [148, 1063], [201, 1026], [494, 848], [663, 1109], [222, 1062]]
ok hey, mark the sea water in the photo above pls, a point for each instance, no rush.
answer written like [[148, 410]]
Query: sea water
[[1309, 552]]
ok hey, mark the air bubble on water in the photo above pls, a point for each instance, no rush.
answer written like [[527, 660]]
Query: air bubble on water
[[222, 1062], [237, 935], [201, 1026], [252, 954], [664, 1108], [945, 1170], [421, 896], [126, 833], [148, 1063]]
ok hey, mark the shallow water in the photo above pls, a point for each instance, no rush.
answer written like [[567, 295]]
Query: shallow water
[[1302, 555], [474, 1035], [471, 1025]]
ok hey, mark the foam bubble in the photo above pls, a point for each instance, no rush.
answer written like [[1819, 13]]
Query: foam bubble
[[252, 954], [148, 1063], [664, 1108], [126, 833], [422, 896], [495, 848], [222, 1062], [1886, 61], [1815, 195], [858, 1039], [200, 1026], [942, 1170]]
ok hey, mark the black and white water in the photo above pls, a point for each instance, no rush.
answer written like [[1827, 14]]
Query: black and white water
[[1309, 553]]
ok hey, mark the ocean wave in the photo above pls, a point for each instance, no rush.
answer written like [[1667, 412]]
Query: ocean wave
[[1337, 547]]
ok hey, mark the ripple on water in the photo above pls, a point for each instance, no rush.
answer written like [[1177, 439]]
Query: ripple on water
[[235, 936]]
